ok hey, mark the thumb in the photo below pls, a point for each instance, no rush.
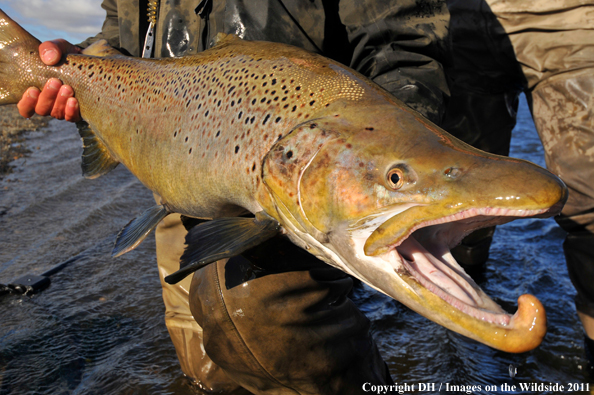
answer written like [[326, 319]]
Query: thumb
[[51, 52]]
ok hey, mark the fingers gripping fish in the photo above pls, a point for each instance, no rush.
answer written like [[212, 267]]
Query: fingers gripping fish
[[313, 150]]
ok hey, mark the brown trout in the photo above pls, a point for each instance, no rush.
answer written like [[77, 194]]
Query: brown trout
[[315, 151]]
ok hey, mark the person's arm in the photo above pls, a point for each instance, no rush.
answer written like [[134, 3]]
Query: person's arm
[[110, 31], [56, 99]]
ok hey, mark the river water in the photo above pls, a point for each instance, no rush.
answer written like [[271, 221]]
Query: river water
[[98, 329]]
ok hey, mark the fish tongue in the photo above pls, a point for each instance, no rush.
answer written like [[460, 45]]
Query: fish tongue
[[440, 274]]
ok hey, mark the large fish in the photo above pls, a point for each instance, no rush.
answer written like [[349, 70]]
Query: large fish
[[314, 150]]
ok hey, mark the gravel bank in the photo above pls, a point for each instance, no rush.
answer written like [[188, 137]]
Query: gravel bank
[[13, 128]]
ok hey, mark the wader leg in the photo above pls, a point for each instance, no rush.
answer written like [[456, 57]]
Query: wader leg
[[185, 333], [285, 332], [563, 110]]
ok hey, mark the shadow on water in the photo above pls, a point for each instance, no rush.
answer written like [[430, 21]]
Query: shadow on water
[[98, 329]]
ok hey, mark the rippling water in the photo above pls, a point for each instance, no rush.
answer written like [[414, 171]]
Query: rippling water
[[98, 329]]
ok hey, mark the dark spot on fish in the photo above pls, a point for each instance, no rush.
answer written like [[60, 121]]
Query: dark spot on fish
[[254, 167], [240, 114], [277, 120], [313, 126], [266, 119], [80, 66], [236, 148], [289, 154], [206, 113], [253, 101], [294, 108], [92, 74], [349, 146], [190, 151], [218, 133], [311, 103], [232, 103], [298, 88], [186, 139]]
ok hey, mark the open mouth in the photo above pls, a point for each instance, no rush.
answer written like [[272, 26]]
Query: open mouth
[[425, 255]]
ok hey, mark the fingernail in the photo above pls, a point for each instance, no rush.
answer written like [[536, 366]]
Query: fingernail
[[65, 91], [72, 103], [33, 93], [53, 84], [49, 56]]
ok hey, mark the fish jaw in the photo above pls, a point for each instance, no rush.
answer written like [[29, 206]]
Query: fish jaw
[[422, 274], [430, 283]]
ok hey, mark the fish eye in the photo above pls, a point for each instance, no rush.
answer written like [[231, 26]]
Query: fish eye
[[395, 178]]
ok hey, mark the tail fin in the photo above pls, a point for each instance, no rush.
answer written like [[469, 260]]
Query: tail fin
[[19, 51]]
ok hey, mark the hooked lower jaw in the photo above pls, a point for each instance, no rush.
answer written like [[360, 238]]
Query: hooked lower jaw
[[457, 302]]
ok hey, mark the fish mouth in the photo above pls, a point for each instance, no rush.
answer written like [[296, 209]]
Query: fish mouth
[[421, 257], [425, 254]]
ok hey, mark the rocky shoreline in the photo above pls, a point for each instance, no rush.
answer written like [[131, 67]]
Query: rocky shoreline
[[13, 128]]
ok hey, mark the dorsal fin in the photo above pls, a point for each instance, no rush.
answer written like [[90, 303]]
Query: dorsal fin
[[223, 38], [96, 159], [101, 48]]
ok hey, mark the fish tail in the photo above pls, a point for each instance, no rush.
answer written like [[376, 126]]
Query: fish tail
[[19, 54]]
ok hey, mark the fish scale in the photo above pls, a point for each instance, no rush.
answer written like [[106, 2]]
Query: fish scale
[[234, 103]]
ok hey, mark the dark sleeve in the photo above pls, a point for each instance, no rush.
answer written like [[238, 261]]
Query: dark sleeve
[[401, 46], [110, 30]]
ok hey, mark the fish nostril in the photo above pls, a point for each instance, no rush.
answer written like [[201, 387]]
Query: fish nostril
[[452, 172]]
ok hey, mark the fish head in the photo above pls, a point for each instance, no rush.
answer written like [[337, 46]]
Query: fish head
[[383, 194]]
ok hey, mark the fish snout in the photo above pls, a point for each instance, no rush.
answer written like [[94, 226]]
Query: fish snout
[[507, 183]]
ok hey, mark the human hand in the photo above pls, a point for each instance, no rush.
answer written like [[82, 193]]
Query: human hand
[[55, 99]]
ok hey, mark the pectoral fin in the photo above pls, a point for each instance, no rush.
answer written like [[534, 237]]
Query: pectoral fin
[[222, 238], [137, 229]]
